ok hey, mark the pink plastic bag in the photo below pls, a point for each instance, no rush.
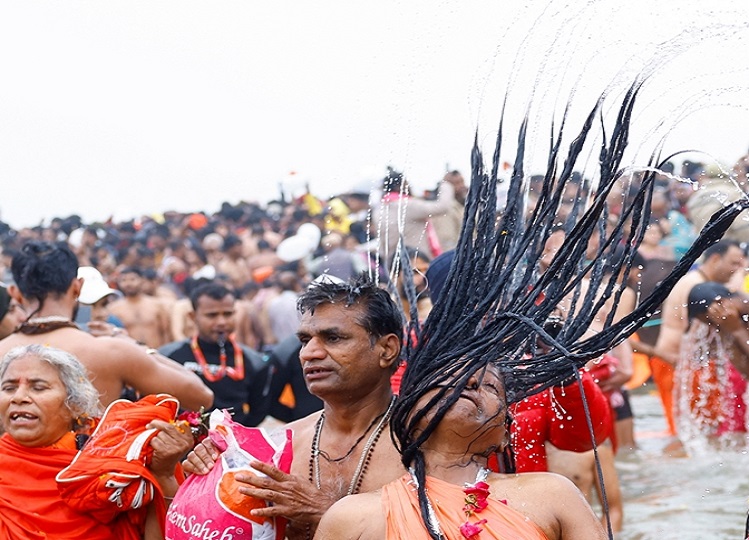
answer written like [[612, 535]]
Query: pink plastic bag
[[210, 507]]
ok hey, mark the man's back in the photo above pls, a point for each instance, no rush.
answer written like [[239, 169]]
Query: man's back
[[674, 316], [114, 363]]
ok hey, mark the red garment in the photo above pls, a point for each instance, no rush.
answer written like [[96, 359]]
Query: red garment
[[400, 505], [396, 378], [715, 395], [557, 415], [30, 505]]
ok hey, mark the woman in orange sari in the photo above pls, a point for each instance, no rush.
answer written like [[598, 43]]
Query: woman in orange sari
[[464, 499], [44, 395]]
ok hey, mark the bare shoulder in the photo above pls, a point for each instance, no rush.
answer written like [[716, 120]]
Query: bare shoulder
[[552, 502], [531, 484], [304, 427], [356, 517]]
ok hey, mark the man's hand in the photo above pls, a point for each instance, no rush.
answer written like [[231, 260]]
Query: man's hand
[[726, 316], [290, 496], [169, 445], [101, 328]]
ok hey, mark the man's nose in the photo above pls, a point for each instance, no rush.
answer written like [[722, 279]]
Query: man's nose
[[223, 320], [312, 350]]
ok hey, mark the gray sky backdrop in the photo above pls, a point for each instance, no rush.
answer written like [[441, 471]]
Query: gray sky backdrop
[[135, 107]]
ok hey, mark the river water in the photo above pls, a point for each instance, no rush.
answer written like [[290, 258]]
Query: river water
[[703, 496]]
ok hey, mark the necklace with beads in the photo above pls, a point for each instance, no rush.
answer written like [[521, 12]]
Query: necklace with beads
[[236, 372], [364, 458], [42, 325]]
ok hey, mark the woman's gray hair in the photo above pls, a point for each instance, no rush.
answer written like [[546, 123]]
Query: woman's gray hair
[[82, 398]]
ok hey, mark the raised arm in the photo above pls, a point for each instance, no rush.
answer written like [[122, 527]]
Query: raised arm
[[149, 372]]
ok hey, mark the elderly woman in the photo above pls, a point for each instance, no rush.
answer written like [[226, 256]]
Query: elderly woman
[[463, 499], [44, 395]]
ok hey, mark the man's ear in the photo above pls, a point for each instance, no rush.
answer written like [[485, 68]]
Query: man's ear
[[15, 293], [76, 286], [390, 350]]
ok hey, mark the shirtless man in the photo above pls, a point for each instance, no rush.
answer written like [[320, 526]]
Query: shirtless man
[[47, 287], [720, 263], [580, 467], [145, 317], [351, 338], [233, 263]]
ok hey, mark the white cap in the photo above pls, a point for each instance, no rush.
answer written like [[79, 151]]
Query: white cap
[[94, 287]]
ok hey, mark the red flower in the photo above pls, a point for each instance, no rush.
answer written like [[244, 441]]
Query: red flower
[[191, 417], [197, 422], [470, 530], [476, 496]]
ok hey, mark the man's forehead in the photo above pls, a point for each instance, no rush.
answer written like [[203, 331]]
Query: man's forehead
[[206, 303], [332, 315]]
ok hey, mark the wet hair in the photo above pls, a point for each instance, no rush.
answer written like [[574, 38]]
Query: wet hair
[[41, 269], [82, 398], [393, 181], [495, 301], [703, 295], [212, 290], [381, 314]]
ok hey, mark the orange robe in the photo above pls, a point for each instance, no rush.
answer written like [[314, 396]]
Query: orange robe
[[403, 517], [30, 505]]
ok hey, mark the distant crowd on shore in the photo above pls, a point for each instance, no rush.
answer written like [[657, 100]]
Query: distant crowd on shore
[[146, 278]]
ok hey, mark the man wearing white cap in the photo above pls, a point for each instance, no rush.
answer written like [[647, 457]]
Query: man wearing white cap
[[96, 294]]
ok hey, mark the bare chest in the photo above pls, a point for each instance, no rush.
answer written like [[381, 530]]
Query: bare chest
[[138, 314], [368, 467]]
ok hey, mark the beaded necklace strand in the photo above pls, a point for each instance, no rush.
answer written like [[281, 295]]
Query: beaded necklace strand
[[364, 459]]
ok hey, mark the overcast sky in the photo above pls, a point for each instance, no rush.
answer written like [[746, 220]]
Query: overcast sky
[[126, 108]]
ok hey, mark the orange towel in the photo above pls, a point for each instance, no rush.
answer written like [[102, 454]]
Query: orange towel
[[110, 475]]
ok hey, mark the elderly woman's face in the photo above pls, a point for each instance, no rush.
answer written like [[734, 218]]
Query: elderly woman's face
[[32, 403], [477, 419]]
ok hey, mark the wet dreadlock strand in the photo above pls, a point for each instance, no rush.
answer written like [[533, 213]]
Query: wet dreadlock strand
[[494, 302]]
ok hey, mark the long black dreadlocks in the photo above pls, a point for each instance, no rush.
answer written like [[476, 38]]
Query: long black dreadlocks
[[494, 302]]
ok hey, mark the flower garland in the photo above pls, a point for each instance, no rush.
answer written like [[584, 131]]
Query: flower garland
[[475, 501]]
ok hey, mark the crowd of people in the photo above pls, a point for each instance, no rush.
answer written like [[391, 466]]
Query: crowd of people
[[265, 311]]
